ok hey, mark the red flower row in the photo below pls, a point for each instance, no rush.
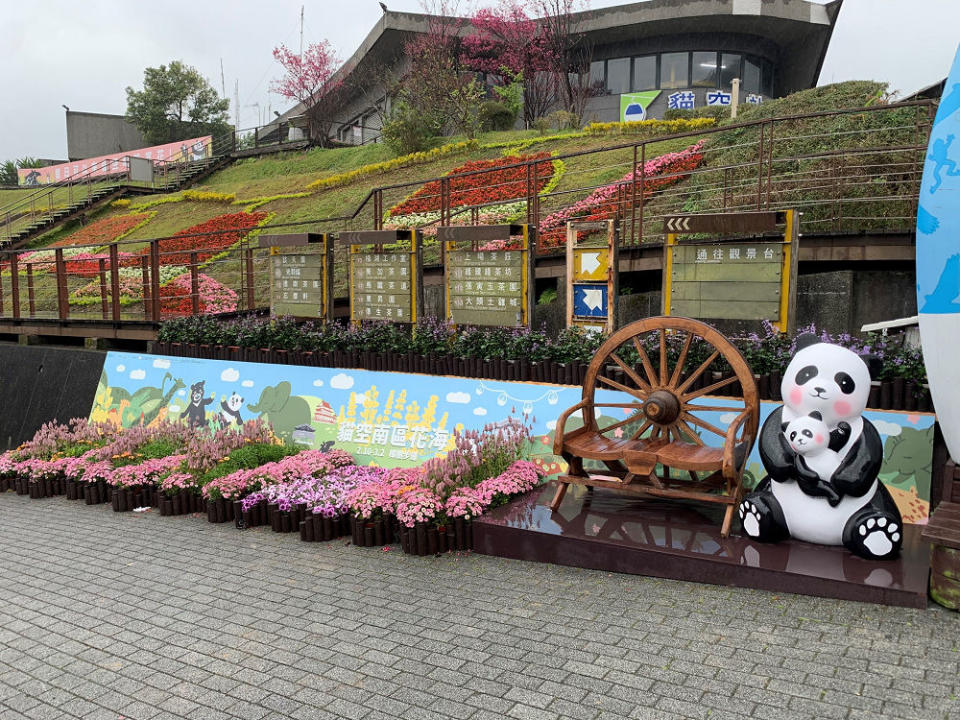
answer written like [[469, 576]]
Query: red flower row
[[230, 229], [103, 231], [674, 171], [486, 181]]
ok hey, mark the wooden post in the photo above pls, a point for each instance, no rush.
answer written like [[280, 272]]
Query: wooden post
[[15, 285], [102, 268], [115, 281], [31, 305], [535, 186], [63, 300], [251, 294], [760, 147], [194, 285], [155, 278], [633, 197], [1, 292], [643, 177], [147, 303]]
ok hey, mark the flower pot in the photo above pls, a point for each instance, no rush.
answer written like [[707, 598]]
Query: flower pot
[[236, 511], [176, 504], [166, 507], [910, 395], [899, 385], [886, 395], [873, 399], [285, 522], [326, 528], [306, 531], [432, 541], [775, 379], [421, 539]]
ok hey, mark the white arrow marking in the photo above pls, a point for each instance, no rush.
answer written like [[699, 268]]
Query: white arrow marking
[[589, 262], [686, 223], [593, 298]]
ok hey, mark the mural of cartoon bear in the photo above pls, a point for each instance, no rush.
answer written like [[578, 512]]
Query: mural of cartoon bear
[[230, 410], [842, 501], [196, 413]]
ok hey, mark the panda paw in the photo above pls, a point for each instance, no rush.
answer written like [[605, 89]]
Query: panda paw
[[749, 518], [878, 536]]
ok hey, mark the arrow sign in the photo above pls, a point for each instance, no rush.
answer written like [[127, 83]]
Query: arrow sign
[[722, 222], [590, 262], [593, 299], [590, 301]]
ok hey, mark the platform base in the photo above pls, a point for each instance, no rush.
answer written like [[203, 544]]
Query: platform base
[[605, 530]]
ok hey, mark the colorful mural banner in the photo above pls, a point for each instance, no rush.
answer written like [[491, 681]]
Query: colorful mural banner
[[180, 151], [633, 106], [398, 419]]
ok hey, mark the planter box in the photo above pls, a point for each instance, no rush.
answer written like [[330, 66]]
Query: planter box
[[126, 499], [372, 533], [180, 503], [316, 528], [219, 511], [95, 493], [426, 539]]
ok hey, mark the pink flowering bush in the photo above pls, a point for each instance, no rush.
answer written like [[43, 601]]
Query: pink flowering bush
[[418, 505]]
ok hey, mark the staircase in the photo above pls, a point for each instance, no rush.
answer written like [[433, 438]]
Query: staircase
[[20, 222]]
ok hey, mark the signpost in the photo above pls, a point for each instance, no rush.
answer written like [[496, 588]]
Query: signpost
[[732, 279], [386, 268], [301, 275], [488, 274], [592, 275]]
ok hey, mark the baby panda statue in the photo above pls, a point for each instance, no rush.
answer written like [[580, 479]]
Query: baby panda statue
[[822, 458]]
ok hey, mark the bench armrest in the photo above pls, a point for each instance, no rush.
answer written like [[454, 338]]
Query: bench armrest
[[729, 468], [561, 423]]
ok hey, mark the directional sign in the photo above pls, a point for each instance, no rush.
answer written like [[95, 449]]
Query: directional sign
[[301, 275], [592, 275], [386, 272], [590, 301], [723, 223], [591, 263]]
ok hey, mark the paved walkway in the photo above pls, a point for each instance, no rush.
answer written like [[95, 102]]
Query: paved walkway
[[105, 615]]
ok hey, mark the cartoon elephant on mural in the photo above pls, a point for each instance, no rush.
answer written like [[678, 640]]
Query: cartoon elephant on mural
[[283, 411]]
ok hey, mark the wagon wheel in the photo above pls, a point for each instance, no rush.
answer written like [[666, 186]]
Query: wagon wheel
[[666, 364]]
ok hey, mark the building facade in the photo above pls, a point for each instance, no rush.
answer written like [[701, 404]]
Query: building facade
[[647, 57]]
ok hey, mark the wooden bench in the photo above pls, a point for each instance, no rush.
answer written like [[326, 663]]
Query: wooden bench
[[943, 532], [661, 431]]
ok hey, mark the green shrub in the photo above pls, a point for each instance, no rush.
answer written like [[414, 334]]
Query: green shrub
[[496, 116], [406, 131]]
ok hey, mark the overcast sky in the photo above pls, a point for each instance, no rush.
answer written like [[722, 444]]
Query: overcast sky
[[84, 54]]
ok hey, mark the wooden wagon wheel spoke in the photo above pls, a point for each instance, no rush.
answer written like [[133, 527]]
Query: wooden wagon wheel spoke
[[675, 378], [613, 383], [647, 366], [698, 372], [643, 428], [620, 424], [712, 408], [710, 388], [663, 356], [704, 424], [690, 432], [631, 373]]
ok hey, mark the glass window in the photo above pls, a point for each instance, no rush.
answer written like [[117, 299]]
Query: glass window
[[704, 69], [645, 72], [598, 76], [729, 69], [618, 76], [766, 85], [674, 70], [751, 76]]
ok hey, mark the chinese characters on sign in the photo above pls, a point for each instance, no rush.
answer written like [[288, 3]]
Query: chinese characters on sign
[[300, 283], [394, 441], [486, 287], [718, 97], [382, 286], [681, 100], [754, 99]]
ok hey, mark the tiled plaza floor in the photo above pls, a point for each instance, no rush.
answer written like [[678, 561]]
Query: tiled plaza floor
[[104, 615]]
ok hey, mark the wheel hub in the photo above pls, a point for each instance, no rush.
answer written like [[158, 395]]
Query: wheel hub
[[662, 407]]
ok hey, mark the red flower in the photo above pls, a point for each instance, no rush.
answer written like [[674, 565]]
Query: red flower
[[230, 229], [482, 183], [102, 231]]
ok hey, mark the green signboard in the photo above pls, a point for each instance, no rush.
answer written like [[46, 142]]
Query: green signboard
[[300, 275], [486, 287], [633, 106]]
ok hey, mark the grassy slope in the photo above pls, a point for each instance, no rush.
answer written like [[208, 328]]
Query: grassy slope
[[292, 172]]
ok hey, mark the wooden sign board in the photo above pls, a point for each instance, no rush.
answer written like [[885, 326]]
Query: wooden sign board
[[487, 275], [592, 275], [723, 223], [386, 274], [301, 275], [733, 280]]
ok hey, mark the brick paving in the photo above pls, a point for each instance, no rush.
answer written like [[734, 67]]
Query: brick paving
[[106, 615]]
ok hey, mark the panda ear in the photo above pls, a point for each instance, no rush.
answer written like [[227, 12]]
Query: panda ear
[[816, 415], [874, 365], [784, 426], [805, 340]]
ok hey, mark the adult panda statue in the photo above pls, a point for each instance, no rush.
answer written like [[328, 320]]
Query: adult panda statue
[[845, 504]]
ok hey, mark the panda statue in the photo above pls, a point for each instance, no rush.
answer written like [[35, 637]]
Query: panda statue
[[835, 498]]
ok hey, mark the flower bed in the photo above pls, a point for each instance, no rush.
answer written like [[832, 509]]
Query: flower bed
[[214, 296], [228, 230], [479, 182], [601, 204], [106, 230]]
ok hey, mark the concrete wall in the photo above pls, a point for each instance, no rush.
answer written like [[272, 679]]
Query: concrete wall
[[40, 384], [93, 134]]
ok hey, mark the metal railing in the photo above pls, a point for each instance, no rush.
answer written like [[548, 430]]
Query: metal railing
[[848, 171]]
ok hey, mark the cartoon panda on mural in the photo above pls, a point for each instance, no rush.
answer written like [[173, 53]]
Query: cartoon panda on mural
[[835, 499]]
